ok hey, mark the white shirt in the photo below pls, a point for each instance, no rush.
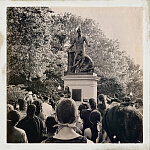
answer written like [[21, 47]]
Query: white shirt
[[17, 136], [47, 110]]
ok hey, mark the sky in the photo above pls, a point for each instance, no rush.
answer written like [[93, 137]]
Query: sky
[[122, 23]]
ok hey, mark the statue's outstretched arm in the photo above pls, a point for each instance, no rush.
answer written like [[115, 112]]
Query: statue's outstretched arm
[[86, 42]]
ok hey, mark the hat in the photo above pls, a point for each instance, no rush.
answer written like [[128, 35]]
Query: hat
[[30, 93]]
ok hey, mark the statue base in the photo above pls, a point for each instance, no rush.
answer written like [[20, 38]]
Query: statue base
[[82, 86]]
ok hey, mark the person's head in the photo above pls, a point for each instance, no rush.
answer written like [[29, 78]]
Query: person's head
[[101, 98], [22, 104], [126, 99], [10, 107], [92, 103], [13, 117], [38, 105], [67, 93], [34, 97], [138, 103], [61, 95], [95, 117], [50, 122], [30, 94], [79, 30], [123, 124], [67, 89], [31, 110], [116, 96], [66, 111], [82, 106], [45, 99]]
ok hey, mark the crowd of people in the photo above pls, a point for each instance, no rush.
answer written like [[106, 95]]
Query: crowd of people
[[106, 120]]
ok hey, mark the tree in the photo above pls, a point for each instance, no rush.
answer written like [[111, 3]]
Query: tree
[[37, 43]]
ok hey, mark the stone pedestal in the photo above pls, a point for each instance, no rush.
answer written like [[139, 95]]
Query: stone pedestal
[[82, 86]]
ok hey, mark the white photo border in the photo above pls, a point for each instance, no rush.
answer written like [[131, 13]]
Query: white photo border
[[146, 73]]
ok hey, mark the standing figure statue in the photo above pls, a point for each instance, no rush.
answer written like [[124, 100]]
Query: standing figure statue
[[81, 62]]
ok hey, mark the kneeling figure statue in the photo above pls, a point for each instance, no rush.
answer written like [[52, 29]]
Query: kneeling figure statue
[[81, 62]]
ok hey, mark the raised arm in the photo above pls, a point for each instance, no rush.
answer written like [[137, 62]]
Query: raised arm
[[86, 42]]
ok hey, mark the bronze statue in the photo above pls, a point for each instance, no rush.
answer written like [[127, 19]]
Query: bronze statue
[[81, 62]]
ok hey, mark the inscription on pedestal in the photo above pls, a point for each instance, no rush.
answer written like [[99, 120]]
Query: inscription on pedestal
[[76, 94]]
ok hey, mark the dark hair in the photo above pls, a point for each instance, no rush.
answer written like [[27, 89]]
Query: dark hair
[[45, 98], [13, 117], [92, 103], [83, 106], [38, 105], [101, 97], [126, 99], [22, 103], [66, 111], [123, 124], [50, 122], [116, 95], [31, 110], [140, 101], [95, 116]]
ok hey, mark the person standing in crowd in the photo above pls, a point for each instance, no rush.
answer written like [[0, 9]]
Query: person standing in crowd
[[46, 107], [39, 111], [92, 103], [123, 125], [67, 115], [92, 132], [29, 98], [82, 106], [51, 130], [101, 104], [67, 93], [85, 114], [14, 134], [22, 108], [32, 125]]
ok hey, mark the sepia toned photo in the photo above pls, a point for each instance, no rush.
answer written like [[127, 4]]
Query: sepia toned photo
[[74, 75]]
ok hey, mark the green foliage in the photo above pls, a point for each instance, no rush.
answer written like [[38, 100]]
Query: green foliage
[[37, 43], [15, 92], [109, 86]]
